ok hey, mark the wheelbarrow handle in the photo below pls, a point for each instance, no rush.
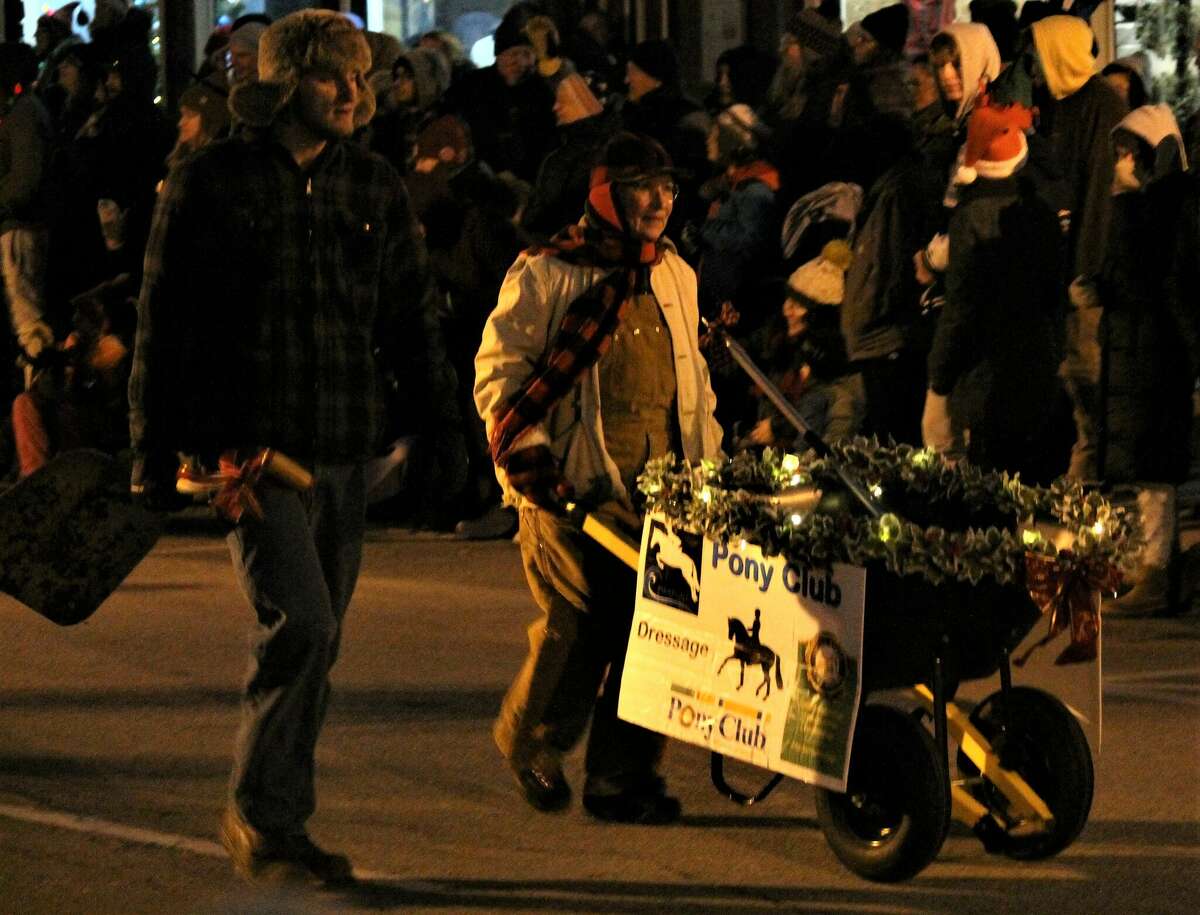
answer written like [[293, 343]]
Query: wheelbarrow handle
[[792, 415]]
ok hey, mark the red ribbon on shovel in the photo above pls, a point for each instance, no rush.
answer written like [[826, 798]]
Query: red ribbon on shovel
[[232, 487]]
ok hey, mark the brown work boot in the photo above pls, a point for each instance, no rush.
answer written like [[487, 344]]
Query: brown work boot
[[259, 856]]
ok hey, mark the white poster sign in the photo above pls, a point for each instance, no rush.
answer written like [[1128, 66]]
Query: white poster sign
[[755, 658]]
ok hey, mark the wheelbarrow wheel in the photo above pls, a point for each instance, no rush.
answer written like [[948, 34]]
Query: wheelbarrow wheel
[[1046, 746], [893, 818]]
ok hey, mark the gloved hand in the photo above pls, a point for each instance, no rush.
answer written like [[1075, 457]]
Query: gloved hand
[[533, 473], [152, 482], [35, 337], [937, 431]]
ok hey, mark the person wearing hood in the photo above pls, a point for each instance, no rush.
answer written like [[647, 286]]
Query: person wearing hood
[[964, 60], [589, 367], [1150, 353], [1077, 126], [285, 273], [994, 357], [407, 104]]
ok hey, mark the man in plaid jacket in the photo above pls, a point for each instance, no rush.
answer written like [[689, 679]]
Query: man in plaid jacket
[[284, 273]]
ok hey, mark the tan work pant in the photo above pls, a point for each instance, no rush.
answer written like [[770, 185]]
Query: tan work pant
[[576, 650]]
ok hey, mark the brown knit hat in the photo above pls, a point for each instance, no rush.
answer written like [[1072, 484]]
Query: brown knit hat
[[297, 44]]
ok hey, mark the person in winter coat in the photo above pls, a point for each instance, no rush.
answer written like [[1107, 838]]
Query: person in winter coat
[[1077, 125], [994, 357], [508, 106], [285, 274], [1150, 352], [964, 59], [739, 239], [590, 366], [882, 78], [805, 357], [881, 320], [562, 181], [419, 78], [27, 201]]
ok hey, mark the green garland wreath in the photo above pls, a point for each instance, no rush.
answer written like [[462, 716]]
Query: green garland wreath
[[742, 499]]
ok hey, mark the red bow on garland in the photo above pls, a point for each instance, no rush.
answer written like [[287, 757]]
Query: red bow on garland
[[1069, 592]]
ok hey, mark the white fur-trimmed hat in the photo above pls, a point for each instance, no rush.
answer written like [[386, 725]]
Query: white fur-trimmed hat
[[297, 44], [823, 279]]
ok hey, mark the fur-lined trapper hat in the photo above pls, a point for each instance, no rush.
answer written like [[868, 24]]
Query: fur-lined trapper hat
[[297, 44]]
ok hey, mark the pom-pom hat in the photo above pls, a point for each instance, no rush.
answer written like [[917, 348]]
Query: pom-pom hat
[[293, 46], [822, 280]]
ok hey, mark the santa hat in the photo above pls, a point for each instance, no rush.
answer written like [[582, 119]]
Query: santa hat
[[823, 279], [995, 146]]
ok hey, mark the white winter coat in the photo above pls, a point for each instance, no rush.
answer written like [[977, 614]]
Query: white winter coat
[[533, 299]]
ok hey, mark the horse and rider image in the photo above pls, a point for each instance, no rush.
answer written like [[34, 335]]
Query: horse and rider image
[[748, 649], [672, 568]]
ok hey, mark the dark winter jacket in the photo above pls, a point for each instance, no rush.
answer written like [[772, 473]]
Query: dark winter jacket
[[1078, 129], [995, 350], [1148, 340], [512, 127], [26, 198], [880, 312], [562, 182], [274, 299]]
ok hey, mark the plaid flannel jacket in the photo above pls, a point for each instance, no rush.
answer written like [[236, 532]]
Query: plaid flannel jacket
[[273, 302]]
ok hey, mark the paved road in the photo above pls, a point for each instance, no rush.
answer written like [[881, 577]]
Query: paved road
[[115, 740]]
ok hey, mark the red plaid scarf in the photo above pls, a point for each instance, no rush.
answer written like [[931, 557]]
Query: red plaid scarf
[[590, 321]]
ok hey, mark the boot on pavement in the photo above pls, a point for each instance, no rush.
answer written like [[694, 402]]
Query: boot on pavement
[[276, 858]]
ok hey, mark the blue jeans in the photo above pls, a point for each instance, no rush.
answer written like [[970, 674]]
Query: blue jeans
[[297, 568]]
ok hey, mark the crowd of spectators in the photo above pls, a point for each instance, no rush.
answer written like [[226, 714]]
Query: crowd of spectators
[[984, 245]]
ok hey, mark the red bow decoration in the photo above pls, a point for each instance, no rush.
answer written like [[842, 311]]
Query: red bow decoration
[[234, 482], [1069, 592]]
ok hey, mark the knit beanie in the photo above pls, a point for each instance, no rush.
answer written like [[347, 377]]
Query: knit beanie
[[888, 26], [996, 145], [1064, 49], [657, 59], [511, 31], [738, 131], [823, 279], [297, 44]]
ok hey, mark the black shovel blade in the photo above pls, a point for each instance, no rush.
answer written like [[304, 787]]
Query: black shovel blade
[[70, 534]]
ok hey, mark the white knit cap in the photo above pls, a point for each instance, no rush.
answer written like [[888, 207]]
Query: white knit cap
[[823, 279]]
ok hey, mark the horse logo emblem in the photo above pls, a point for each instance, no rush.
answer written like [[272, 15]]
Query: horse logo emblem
[[747, 649], [672, 572]]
